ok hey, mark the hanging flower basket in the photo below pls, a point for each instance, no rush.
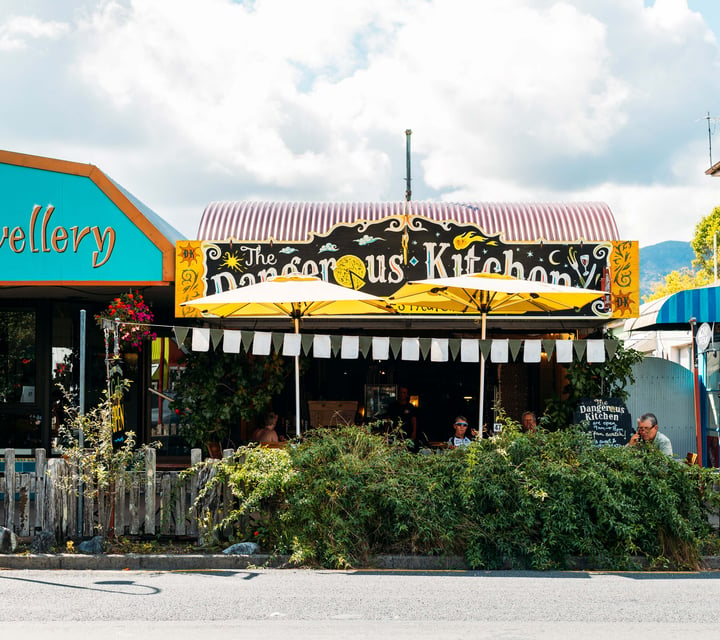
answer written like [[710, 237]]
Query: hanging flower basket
[[134, 316]]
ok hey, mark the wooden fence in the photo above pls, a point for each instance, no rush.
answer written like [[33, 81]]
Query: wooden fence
[[155, 503]]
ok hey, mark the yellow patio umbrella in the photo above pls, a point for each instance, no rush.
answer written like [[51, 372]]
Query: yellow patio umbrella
[[489, 293], [294, 296]]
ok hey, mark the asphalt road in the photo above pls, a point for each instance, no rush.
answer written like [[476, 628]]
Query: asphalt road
[[356, 604]]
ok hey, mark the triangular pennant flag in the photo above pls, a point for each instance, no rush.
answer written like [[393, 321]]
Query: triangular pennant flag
[[563, 350], [485, 346], [380, 348], [469, 350], [322, 346], [350, 347], [439, 349], [307, 342], [595, 351], [580, 348], [180, 334], [247, 339], [499, 350], [231, 341], [611, 347], [216, 335], [261, 343], [548, 347], [532, 351], [396, 346], [425, 347], [278, 339], [200, 339], [515, 348], [454, 344], [291, 344], [335, 344], [365, 342], [410, 349]]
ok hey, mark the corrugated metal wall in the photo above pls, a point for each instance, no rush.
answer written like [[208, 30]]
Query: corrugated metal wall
[[665, 388]]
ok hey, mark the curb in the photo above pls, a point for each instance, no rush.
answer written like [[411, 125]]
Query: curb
[[140, 562], [208, 562]]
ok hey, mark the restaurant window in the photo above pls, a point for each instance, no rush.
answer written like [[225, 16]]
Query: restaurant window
[[19, 416], [17, 357]]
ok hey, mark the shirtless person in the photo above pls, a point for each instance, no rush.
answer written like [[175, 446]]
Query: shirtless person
[[267, 433]]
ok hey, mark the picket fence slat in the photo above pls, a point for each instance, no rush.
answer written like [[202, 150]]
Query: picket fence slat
[[150, 489], [40, 473], [9, 488], [118, 524], [23, 493]]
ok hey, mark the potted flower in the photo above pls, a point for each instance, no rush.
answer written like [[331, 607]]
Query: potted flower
[[132, 316]]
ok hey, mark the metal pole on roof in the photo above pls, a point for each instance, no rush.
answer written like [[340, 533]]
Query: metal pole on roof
[[709, 139], [408, 190], [696, 390]]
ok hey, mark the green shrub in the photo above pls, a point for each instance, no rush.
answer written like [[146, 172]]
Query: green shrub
[[345, 494]]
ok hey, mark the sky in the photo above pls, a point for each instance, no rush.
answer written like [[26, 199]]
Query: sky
[[184, 102]]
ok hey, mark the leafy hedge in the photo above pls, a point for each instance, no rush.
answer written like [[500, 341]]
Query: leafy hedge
[[345, 494]]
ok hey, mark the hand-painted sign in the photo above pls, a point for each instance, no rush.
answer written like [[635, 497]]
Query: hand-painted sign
[[606, 419], [378, 257]]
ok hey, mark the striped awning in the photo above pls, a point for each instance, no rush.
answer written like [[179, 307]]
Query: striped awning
[[518, 222], [676, 310]]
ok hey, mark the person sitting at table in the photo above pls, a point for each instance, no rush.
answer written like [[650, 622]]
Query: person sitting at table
[[647, 431], [529, 422], [459, 439], [267, 433]]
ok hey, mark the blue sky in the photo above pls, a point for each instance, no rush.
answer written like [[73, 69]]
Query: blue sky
[[185, 102]]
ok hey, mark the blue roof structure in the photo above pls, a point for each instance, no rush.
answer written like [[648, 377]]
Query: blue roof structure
[[675, 311]]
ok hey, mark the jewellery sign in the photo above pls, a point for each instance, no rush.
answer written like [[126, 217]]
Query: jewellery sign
[[378, 257]]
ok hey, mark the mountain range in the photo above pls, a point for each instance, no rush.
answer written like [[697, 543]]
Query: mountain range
[[657, 260]]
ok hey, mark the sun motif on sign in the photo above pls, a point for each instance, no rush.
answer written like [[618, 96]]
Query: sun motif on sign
[[350, 272], [232, 261], [188, 253]]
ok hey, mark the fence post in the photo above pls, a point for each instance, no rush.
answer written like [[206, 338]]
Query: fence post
[[150, 472], [40, 472], [50, 500], [195, 458], [119, 507], [24, 504], [227, 494], [9, 489]]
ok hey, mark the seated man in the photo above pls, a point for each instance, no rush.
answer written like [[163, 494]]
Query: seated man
[[648, 432], [529, 422]]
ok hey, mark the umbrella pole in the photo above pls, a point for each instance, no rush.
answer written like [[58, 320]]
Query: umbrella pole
[[297, 385], [482, 382]]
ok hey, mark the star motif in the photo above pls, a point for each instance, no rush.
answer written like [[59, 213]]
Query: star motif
[[188, 253]]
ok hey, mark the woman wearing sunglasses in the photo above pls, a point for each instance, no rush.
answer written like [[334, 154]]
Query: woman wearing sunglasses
[[459, 439]]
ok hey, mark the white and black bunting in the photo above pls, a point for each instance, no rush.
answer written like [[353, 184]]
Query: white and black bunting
[[399, 348]]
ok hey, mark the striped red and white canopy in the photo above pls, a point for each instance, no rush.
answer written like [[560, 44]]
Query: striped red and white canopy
[[518, 222]]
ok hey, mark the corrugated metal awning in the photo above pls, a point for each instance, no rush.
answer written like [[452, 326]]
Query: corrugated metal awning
[[293, 221], [676, 310]]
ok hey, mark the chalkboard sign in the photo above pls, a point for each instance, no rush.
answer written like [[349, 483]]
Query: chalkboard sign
[[606, 419]]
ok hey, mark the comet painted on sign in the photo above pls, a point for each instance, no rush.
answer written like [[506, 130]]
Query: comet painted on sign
[[464, 240]]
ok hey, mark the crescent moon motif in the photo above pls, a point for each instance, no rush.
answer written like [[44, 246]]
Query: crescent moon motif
[[550, 257]]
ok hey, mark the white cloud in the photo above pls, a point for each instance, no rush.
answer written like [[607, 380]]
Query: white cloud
[[21, 32], [186, 102]]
